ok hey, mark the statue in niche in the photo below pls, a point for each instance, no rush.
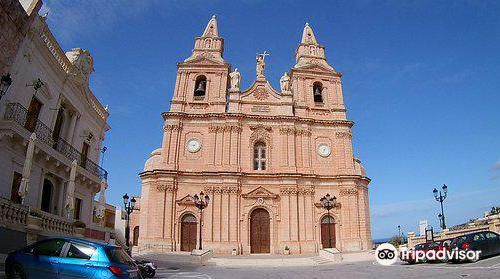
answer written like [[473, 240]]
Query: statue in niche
[[235, 80], [285, 83]]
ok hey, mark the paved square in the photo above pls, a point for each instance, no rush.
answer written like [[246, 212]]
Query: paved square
[[173, 268]]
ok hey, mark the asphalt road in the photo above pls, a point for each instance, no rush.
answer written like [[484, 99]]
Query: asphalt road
[[486, 268], [176, 269]]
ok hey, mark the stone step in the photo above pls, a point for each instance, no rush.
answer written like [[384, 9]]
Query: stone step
[[321, 260]]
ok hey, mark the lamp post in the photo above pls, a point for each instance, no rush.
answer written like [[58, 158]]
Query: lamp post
[[328, 203], [440, 196], [129, 208], [5, 83], [201, 203]]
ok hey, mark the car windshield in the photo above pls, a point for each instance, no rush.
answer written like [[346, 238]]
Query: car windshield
[[118, 255]]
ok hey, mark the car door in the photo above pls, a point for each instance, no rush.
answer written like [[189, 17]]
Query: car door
[[78, 261], [45, 258], [493, 240], [480, 244]]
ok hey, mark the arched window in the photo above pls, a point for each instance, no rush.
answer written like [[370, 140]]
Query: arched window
[[259, 156], [200, 87], [318, 92]]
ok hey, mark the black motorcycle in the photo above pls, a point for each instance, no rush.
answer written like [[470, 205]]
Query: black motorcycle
[[147, 268]]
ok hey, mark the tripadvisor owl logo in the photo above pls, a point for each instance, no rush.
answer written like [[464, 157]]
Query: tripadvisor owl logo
[[386, 254]]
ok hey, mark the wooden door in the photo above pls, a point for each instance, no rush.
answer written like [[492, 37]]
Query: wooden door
[[327, 232], [33, 113], [260, 232], [188, 233]]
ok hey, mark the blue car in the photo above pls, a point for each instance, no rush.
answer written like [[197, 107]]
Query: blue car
[[62, 258]]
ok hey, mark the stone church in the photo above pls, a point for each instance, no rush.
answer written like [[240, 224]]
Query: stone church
[[264, 157]]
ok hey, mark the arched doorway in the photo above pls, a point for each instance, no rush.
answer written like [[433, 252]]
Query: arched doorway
[[260, 231], [136, 236], [328, 232], [46, 195], [188, 232]]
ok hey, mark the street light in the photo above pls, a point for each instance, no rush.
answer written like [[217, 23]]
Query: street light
[[201, 203], [440, 196], [5, 83], [129, 208], [328, 203]]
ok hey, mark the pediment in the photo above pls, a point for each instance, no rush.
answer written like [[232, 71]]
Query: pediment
[[186, 200], [315, 67], [260, 192], [203, 60], [261, 90]]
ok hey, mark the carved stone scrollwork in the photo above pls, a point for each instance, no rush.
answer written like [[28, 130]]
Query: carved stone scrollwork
[[223, 128], [261, 94], [287, 131], [220, 190], [306, 191], [161, 187], [261, 127], [289, 191], [348, 192], [172, 127], [343, 134], [305, 132]]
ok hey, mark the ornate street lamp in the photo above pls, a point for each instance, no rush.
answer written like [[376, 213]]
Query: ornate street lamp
[[328, 203], [201, 203], [5, 83], [129, 208], [440, 196]]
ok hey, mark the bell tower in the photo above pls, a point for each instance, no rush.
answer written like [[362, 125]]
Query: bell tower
[[202, 79], [316, 86]]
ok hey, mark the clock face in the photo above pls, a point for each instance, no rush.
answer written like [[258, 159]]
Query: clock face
[[193, 145], [324, 150]]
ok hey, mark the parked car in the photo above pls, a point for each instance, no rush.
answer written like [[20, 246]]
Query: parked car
[[487, 242], [440, 245], [63, 258], [411, 257]]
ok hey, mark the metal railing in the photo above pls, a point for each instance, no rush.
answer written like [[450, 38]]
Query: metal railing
[[19, 114]]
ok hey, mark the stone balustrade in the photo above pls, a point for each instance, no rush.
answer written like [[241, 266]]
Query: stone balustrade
[[12, 213], [491, 223], [56, 224]]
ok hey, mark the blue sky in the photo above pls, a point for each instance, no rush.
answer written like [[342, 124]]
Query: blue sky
[[421, 79]]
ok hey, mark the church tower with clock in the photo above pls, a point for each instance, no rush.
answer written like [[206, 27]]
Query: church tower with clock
[[263, 158]]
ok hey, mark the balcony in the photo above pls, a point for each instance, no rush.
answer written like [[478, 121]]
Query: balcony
[[19, 114]]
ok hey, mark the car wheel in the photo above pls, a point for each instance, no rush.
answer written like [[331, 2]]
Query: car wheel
[[17, 272]]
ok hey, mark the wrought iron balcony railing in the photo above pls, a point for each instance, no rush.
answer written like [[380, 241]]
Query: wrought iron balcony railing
[[19, 114]]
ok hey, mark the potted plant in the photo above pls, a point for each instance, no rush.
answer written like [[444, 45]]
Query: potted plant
[[79, 228], [34, 220], [286, 251]]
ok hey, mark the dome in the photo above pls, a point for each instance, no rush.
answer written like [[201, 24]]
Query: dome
[[153, 160]]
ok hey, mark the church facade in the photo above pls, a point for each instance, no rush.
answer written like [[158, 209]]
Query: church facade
[[264, 157]]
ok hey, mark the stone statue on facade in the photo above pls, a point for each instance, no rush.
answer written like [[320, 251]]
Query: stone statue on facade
[[285, 83], [261, 64], [235, 80]]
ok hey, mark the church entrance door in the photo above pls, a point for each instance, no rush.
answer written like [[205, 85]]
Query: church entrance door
[[328, 232], [260, 231], [188, 232]]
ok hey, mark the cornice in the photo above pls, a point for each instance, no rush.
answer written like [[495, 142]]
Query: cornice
[[229, 116], [155, 172]]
